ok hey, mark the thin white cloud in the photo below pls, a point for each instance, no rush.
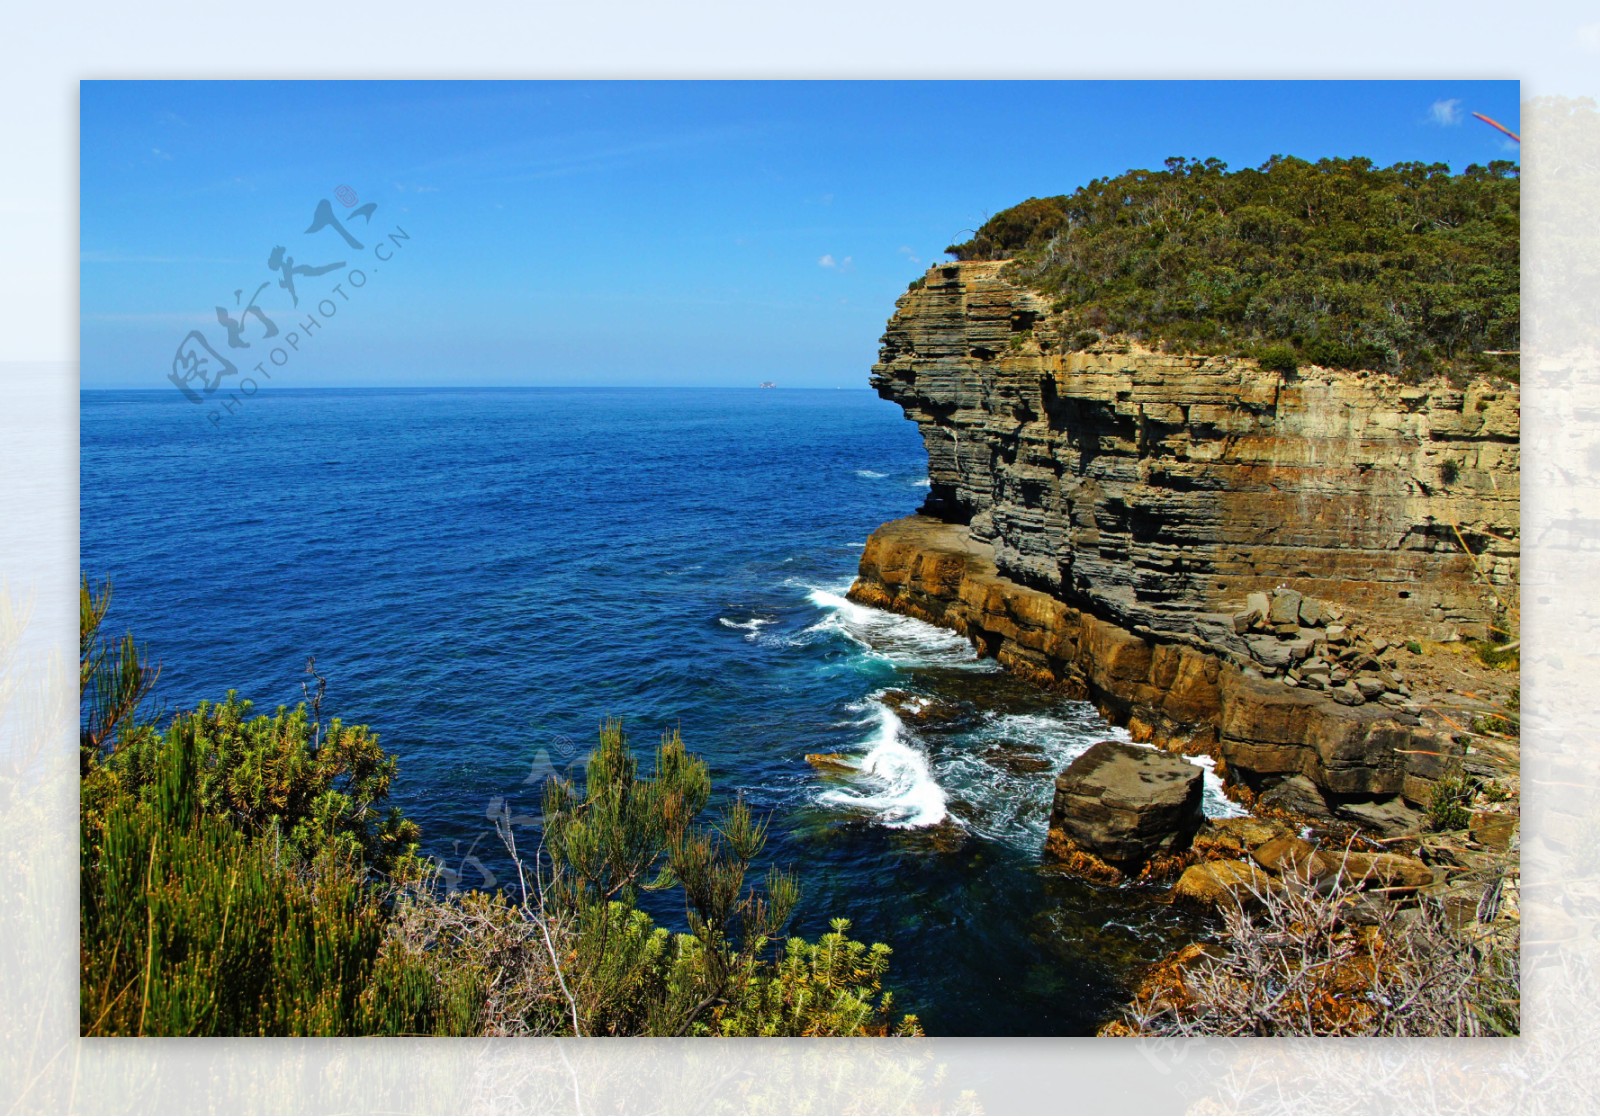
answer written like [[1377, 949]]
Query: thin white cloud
[[1589, 38], [1445, 111], [906, 251], [827, 261]]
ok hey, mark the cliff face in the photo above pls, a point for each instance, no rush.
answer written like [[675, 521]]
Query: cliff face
[[1125, 511], [1160, 490]]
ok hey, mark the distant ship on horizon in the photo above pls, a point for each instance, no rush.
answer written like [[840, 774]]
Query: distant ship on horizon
[[769, 383]]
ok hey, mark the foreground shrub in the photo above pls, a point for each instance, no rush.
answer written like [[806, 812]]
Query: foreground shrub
[[1302, 962], [240, 875]]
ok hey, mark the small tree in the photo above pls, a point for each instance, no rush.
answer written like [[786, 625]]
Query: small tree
[[624, 833], [113, 681]]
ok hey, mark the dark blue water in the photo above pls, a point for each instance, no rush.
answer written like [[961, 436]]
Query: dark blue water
[[484, 575]]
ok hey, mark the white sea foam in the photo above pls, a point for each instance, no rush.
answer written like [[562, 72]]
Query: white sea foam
[[902, 641], [870, 474], [894, 784], [1000, 776], [1215, 803], [922, 484]]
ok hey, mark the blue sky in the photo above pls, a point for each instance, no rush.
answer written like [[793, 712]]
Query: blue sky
[[629, 233]]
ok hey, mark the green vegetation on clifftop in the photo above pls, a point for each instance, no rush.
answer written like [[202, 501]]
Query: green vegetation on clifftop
[[1407, 269]]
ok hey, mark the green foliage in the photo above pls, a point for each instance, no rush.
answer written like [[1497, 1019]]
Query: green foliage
[[1498, 654], [1449, 470], [625, 831], [821, 989], [224, 865], [1407, 269], [199, 931], [1505, 721], [239, 876], [113, 681], [310, 786], [1448, 808], [1277, 357], [1414, 647]]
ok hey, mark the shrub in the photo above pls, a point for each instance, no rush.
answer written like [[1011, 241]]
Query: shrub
[[625, 831], [1295, 963], [196, 930], [239, 876], [1277, 358], [1498, 655], [1448, 807], [1449, 471]]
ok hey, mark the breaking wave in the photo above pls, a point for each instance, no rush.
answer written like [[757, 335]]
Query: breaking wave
[[894, 784]]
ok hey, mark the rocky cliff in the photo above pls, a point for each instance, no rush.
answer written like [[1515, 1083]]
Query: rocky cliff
[[1116, 521]]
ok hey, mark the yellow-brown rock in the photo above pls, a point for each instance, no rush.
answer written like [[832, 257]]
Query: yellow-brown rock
[[1392, 872], [1212, 883], [1172, 694]]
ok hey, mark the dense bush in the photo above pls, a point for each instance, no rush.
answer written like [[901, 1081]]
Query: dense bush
[[1409, 269], [239, 875]]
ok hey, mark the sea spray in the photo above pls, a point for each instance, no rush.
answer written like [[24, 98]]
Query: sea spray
[[895, 784], [901, 641]]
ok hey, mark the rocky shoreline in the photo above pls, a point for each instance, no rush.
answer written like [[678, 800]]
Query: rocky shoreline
[[1284, 570], [1373, 762]]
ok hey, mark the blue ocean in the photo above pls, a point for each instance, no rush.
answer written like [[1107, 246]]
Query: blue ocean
[[483, 576]]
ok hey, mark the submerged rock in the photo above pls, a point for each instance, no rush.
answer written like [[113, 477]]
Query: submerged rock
[[920, 709], [833, 763], [1023, 760]]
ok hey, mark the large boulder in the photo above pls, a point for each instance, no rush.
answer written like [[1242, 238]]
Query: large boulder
[[1124, 803]]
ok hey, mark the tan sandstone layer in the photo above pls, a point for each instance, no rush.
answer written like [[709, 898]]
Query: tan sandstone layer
[[1099, 517]]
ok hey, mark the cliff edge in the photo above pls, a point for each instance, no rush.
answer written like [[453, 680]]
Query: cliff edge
[[1225, 558]]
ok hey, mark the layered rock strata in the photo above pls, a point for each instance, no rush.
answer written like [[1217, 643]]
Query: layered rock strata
[[1163, 489], [1112, 520], [1172, 694]]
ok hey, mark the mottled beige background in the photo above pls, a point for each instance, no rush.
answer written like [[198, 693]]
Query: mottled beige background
[[1554, 49]]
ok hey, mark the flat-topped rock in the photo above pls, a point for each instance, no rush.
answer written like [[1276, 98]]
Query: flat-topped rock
[[1125, 803]]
